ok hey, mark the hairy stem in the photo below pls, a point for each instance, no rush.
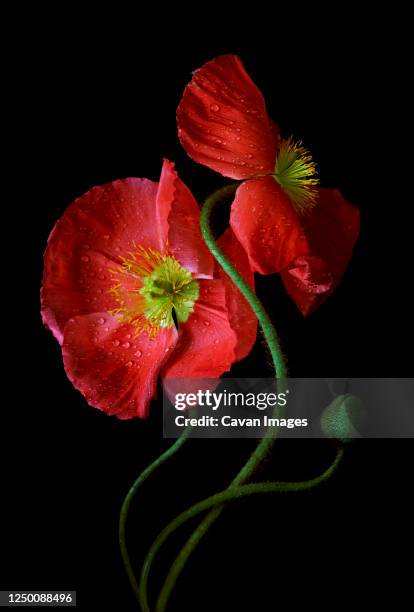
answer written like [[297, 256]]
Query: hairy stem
[[130, 496], [230, 494]]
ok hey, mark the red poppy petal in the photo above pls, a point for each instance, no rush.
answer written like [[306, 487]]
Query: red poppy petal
[[308, 282], [223, 123], [242, 318], [332, 228], [75, 282], [115, 371], [267, 225], [184, 235], [93, 233], [206, 345]]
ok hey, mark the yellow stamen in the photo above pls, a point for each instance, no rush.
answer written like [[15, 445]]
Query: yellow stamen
[[295, 171], [150, 289]]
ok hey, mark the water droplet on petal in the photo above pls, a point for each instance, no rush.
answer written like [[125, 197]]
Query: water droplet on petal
[[214, 108]]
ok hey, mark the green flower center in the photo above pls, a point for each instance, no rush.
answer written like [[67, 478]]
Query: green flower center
[[169, 290], [295, 171], [153, 291]]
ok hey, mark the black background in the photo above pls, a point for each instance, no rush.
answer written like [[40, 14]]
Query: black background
[[97, 102]]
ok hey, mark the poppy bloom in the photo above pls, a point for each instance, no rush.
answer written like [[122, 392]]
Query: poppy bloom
[[131, 292], [285, 222]]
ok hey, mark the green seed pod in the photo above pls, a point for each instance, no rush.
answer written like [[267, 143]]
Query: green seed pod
[[343, 418]]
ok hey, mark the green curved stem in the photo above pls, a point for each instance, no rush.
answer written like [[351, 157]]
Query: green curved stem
[[129, 497], [266, 443], [265, 323], [229, 494]]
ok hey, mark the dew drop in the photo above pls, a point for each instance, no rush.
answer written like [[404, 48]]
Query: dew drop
[[85, 258], [214, 108], [100, 321], [116, 343], [126, 345]]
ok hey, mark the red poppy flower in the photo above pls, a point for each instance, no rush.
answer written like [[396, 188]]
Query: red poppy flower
[[283, 220], [130, 292]]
